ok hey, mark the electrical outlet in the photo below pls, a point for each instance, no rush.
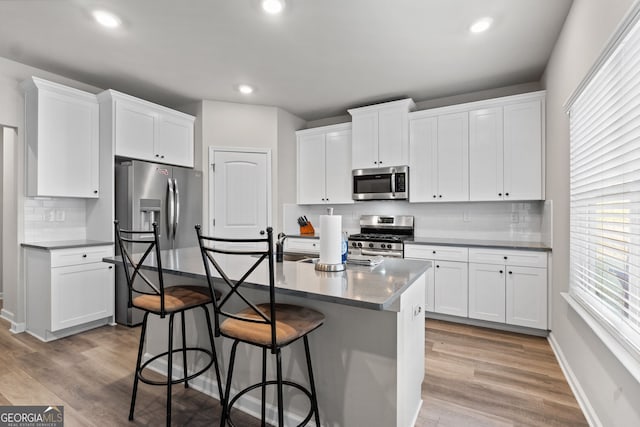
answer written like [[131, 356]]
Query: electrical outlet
[[417, 310]]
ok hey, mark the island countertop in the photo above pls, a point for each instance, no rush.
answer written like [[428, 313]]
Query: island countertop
[[374, 288]]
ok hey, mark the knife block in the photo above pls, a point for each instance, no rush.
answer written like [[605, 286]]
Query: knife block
[[307, 229]]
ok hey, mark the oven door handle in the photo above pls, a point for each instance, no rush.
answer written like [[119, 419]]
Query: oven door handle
[[394, 254]]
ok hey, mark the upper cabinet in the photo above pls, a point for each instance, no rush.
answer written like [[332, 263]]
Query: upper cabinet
[[506, 149], [439, 157], [324, 165], [380, 134], [62, 138], [147, 131]]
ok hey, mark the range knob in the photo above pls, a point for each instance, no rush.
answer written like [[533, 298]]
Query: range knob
[[359, 244], [370, 245], [389, 246], [354, 244]]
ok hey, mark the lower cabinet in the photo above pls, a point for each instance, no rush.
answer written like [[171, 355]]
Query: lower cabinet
[[495, 285], [450, 288], [302, 245], [68, 290]]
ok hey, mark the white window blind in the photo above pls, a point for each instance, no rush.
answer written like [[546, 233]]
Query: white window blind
[[605, 193]]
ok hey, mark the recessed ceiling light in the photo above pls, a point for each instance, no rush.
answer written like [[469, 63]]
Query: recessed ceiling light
[[106, 19], [273, 7], [481, 25], [245, 89]]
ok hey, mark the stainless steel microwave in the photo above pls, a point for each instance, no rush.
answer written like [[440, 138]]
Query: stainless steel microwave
[[390, 183]]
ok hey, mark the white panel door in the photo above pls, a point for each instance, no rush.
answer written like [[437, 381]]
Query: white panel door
[[68, 158], [311, 169], [175, 140], [485, 154], [393, 141], [453, 157], [81, 294], [451, 288], [242, 185], [364, 147], [135, 130], [527, 297], [487, 292], [338, 167], [423, 168], [523, 151]]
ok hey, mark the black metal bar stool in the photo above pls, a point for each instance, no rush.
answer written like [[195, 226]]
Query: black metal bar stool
[[269, 326], [154, 298]]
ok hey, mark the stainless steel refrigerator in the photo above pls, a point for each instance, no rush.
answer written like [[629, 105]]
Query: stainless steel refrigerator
[[146, 193]]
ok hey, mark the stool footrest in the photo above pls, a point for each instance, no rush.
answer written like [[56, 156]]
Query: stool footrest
[[271, 382], [144, 366]]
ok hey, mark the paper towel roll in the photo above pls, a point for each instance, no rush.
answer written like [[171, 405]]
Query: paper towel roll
[[330, 239]]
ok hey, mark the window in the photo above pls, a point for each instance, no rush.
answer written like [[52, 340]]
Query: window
[[605, 193]]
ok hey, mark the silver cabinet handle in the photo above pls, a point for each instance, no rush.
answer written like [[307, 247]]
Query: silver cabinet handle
[[177, 207]]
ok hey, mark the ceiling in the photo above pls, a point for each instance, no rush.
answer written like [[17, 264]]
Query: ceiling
[[315, 60]]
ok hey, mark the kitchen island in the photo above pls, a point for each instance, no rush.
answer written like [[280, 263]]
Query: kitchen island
[[368, 357]]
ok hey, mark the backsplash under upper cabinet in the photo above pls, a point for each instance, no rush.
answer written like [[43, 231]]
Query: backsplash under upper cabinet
[[62, 131]]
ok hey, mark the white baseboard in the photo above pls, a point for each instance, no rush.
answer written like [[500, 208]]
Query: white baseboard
[[578, 391], [247, 404], [15, 328]]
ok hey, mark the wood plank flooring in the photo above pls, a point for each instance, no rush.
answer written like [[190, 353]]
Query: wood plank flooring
[[474, 377]]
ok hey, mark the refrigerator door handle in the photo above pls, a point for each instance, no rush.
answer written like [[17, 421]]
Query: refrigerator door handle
[[170, 208], [176, 195]]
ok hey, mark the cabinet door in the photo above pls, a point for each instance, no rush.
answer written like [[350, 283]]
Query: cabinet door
[[310, 246], [364, 146], [393, 140], [451, 288], [523, 151], [430, 289], [423, 168], [311, 169], [174, 144], [135, 130], [453, 157], [487, 292], [81, 294], [526, 293], [485, 154], [67, 147], [338, 167]]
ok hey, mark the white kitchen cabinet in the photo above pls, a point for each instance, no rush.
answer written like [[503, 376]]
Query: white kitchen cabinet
[[447, 280], [380, 134], [506, 149], [68, 290], [508, 286], [324, 165], [439, 157], [62, 137], [302, 245], [146, 131]]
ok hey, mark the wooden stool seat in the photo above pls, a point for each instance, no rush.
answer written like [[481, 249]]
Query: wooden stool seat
[[176, 298], [292, 322]]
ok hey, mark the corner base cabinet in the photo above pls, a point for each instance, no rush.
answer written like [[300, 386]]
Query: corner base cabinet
[[68, 290]]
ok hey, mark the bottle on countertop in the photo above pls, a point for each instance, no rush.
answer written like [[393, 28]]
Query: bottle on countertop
[[345, 247]]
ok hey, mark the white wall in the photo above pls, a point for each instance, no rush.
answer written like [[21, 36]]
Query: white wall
[[1, 209], [611, 392], [287, 161]]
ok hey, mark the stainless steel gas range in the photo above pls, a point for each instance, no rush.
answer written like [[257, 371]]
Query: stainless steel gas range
[[381, 235]]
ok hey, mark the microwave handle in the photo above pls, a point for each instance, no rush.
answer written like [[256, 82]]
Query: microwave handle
[[393, 182]]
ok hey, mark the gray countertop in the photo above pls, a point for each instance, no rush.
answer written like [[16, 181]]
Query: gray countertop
[[65, 244], [373, 288], [499, 244]]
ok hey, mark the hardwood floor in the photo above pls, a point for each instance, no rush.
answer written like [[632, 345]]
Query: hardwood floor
[[474, 377]]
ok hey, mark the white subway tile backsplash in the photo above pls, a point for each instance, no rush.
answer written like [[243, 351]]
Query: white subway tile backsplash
[[522, 221], [54, 219]]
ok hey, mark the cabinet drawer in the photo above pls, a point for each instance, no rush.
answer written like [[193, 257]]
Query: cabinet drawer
[[76, 256], [510, 257], [302, 245], [431, 252]]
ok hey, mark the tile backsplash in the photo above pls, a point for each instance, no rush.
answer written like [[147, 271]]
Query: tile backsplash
[[54, 219], [512, 221]]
